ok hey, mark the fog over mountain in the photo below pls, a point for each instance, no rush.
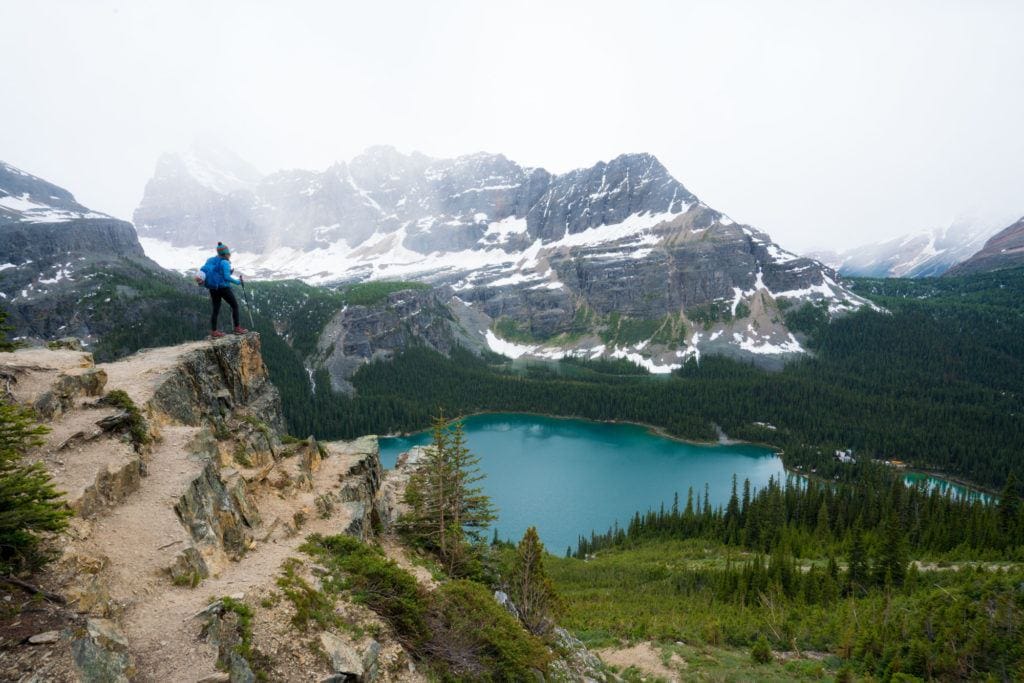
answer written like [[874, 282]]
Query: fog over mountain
[[827, 124]]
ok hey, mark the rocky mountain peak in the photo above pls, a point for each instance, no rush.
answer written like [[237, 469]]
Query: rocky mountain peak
[[215, 168]]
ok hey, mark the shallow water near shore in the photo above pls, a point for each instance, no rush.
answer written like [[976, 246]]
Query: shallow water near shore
[[568, 477]]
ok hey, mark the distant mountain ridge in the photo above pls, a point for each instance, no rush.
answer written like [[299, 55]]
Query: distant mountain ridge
[[927, 253], [619, 259], [1005, 249]]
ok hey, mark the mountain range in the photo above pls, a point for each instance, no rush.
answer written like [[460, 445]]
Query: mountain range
[[616, 260]]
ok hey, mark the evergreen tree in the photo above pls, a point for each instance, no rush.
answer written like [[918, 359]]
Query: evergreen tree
[[891, 562], [821, 529], [5, 343], [1009, 504], [529, 586], [446, 507], [857, 563], [29, 503]]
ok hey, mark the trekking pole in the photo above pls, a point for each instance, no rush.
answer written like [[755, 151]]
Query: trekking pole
[[248, 306]]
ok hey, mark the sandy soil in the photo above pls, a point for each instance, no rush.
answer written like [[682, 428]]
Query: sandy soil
[[644, 656]]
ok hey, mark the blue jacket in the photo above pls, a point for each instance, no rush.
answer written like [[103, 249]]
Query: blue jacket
[[218, 273]]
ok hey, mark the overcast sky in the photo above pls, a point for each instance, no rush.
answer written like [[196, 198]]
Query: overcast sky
[[827, 124]]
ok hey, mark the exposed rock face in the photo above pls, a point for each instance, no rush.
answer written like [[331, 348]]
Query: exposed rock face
[[1005, 249], [215, 379], [382, 191], [360, 334]]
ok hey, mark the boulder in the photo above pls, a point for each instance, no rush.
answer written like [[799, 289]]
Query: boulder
[[101, 654], [348, 663]]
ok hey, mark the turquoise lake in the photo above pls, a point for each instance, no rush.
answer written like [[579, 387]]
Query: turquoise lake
[[568, 477]]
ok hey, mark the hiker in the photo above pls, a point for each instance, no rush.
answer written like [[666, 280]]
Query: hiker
[[216, 276]]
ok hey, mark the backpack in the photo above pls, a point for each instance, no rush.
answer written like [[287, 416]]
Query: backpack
[[213, 274]]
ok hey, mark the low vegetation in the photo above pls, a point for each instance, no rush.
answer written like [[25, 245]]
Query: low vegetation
[[138, 431], [370, 293], [458, 630]]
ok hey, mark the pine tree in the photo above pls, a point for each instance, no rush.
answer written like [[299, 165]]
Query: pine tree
[[857, 565], [427, 493], [1009, 505], [29, 503], [5, 343], [891, 563], [446, 506], [821, 529], [529, 586]]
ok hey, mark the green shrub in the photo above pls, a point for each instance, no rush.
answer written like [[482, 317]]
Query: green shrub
[[480, 639], [310, 604], [761, 653], [375, 581], [459, 629]]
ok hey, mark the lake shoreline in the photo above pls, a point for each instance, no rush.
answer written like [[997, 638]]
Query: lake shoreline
[[663, 433], [976, 489], [652, 429]]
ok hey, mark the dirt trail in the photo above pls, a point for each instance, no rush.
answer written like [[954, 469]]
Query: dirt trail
[[138, 536], [161, 627]]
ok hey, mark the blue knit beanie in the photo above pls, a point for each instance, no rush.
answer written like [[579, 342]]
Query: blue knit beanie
[[222, 249]]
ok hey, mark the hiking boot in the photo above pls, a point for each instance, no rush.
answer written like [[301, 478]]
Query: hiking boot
[[241, 330], [216, 334]]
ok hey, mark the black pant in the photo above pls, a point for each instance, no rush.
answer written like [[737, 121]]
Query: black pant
[[224, 293]]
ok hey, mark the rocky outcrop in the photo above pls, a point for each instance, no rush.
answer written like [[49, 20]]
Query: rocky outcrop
[[213, 381], [190, 484]]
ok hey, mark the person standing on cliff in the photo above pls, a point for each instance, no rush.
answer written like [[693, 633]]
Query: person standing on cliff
[[216, 275]]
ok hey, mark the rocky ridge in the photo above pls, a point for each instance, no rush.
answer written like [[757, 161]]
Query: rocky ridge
[[60, 262]]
